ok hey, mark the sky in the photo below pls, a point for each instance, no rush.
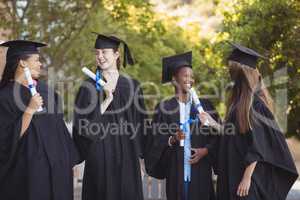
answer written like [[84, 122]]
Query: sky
[[202, 12]]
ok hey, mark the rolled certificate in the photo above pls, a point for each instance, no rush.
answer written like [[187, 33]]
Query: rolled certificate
[[181, 143], [182, 123], [92, 75], [31, 84], [197, 103]]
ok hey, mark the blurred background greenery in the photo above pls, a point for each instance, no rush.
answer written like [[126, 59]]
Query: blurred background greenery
[[157, 28]]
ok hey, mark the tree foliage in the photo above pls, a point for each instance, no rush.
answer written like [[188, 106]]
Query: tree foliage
[[271, 27]]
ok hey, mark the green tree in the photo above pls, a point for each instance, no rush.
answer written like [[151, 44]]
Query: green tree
[[67, 25], [272, 28]]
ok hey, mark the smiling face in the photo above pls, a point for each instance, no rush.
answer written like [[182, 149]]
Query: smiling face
[[184, 79], [34, 64], [107, 58]]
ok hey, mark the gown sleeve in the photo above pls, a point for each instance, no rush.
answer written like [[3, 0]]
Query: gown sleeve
[[73, 152], [158, 151], [213, 139], [266, 140], [140, 118], [86, 112], [10, 130], [267, 146]]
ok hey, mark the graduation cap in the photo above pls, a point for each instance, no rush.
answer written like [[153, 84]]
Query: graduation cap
[[107, 42], [244, 55], [173, 63], [21, 47]]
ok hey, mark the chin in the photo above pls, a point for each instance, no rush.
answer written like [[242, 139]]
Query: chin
[[35, 75], [186, 89], [104, 66]]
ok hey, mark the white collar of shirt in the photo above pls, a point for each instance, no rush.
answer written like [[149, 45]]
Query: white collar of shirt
[[184, 110]]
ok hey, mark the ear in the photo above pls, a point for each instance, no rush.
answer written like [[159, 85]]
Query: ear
[[174, 82], [117, 54], [22, 63]]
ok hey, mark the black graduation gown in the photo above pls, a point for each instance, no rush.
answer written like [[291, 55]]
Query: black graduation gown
[[112, 169], [275, 172], [165, 162], [39, 164]]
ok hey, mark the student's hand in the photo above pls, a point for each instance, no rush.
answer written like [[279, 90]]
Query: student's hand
[[243, 189], [177, 137], [205, 117], [111, 78], [108, 93], [198, 154], [35, 103]]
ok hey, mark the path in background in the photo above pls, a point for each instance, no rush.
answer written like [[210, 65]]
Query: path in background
[[154, 189]]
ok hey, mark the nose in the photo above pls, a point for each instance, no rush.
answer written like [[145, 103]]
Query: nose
[[192, 81], [100, 55]]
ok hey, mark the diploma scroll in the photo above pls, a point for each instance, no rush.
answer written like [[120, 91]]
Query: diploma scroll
[[31, 85], [92, 75], [197, 103]]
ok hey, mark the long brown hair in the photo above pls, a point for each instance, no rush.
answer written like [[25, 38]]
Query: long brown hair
[[247, 83], [118, 60]]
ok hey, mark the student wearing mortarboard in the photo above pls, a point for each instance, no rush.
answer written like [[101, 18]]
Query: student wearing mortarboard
[[108, 127], [254, 161], [165, 157], [37, 153]]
